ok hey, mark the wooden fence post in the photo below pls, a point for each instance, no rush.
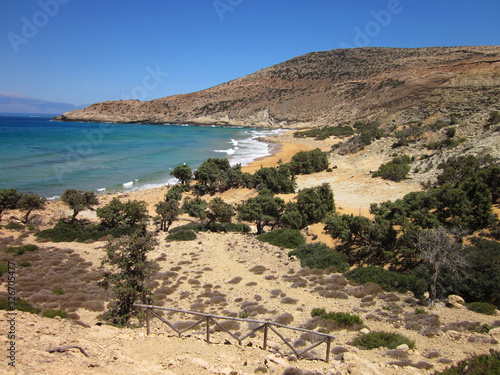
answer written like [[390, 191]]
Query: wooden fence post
[[208, 329], [265, 336], [147, 321], [328, 343]]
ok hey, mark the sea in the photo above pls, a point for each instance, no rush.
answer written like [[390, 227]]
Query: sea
[[45, 157]]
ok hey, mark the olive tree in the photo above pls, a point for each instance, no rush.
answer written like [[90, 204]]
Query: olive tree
[[79, 200]]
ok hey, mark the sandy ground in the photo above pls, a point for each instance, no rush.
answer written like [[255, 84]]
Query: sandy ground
[[216, 274]]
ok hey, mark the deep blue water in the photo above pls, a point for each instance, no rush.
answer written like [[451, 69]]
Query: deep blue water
[[47, 157]]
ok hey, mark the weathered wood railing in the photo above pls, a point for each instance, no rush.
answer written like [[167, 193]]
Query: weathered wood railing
[[212, 319]]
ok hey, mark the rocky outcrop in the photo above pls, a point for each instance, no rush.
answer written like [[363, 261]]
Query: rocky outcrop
[[390, 85]]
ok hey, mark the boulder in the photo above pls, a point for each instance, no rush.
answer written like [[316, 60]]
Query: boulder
[[455, 301]]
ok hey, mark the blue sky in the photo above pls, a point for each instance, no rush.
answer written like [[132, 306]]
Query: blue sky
[[86, 51]]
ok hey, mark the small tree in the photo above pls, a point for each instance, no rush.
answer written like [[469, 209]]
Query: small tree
[[196, 207], [220, 211], [264, 209], [8, 199], [135, 212], [79, 200], [183, 173], [111, 214], [168, 211], [30, 202], [441, 250], [129, 269], [315, 203]]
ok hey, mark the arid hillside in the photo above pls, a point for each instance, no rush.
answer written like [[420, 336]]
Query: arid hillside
[[389, 85]]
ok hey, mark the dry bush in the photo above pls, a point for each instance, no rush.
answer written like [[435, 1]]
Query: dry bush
[[389, 297], [230, 325], [431, 355], [93, 306], [339, 350], [194, 282], [258, 270], [200, 307], [285, 319], [396, 354], [299, 284], [252, 283], [183, 325], [246, 304], [216, 300], [299, 343], [270, 277], [289, 301], [356, 292], [426, 325], [334, 294], [310, 337], [165, 290], [235, 280]]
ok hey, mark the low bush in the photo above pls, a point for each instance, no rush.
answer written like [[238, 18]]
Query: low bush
[[50, 313], [58, 291], [4, 268], [476, 365], [182, 235], [482, 308], [342, 319], [13, 225], [379, 339], [326, 132], [288, 238], [227, 227], [20, 305], [307, 162], [396, 170], [319, 255], [69, 232], [388, 280], [20, 250]]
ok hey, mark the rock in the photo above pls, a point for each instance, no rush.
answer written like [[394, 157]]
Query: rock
[[455, 301], [454, 335], [200, 362], [495, 332], [403, 347], [277, 360], [364, 331]]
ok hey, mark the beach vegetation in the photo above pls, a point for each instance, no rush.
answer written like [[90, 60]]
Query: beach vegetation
[[389, 280], [19, 304], [292, 217], [69, 232], [217, 175], [79, 200], [284, 237], [20, 250], [182, 235], [9, 199], [307, 162], [341, 320], [183, 173], [326, 132], [319, 255], [51, 313], [315, 203], [482, 308], [30, 202], [127, 272], [264, 210], [117, 213], [478, 364], [395, 170], [195, 207], [378, 339], [168, 211], [219, 211], [279, 179]]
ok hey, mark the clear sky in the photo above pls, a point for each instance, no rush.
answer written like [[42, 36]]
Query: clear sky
[[86, 51]]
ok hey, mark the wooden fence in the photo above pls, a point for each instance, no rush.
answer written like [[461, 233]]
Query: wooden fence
[[209, 319]]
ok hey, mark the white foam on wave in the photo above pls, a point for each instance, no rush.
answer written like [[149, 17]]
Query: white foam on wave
[[128, 184], [102, 189], [55, 197]]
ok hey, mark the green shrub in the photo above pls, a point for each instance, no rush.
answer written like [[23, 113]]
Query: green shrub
[[69, 232], [388, 280], [13, 225], [20, 250], [319, 255], [227, 227], [379, 339], [25, 264], [476, 365], [317, 312], [307, 162], [4, 268], [420, 311], [182, 235], [20, 305], [288, 238], [342, 319], [326, 132], [482, 308], [396, 170], [58, 291], [50, 313], [243, 314], [195, 227]]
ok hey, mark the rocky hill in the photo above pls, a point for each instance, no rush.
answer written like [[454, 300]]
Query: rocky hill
[[390, 85]]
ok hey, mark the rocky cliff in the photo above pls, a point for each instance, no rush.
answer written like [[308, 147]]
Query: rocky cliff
[[390, 85]]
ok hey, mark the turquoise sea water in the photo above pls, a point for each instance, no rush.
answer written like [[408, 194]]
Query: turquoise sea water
[[47, 157]]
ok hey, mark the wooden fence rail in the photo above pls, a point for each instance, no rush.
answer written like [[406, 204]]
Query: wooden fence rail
[[209, 319]]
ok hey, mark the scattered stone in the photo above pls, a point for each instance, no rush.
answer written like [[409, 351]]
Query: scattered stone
[[403, 347], [455, 301], [364, 331], [200, 362]]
